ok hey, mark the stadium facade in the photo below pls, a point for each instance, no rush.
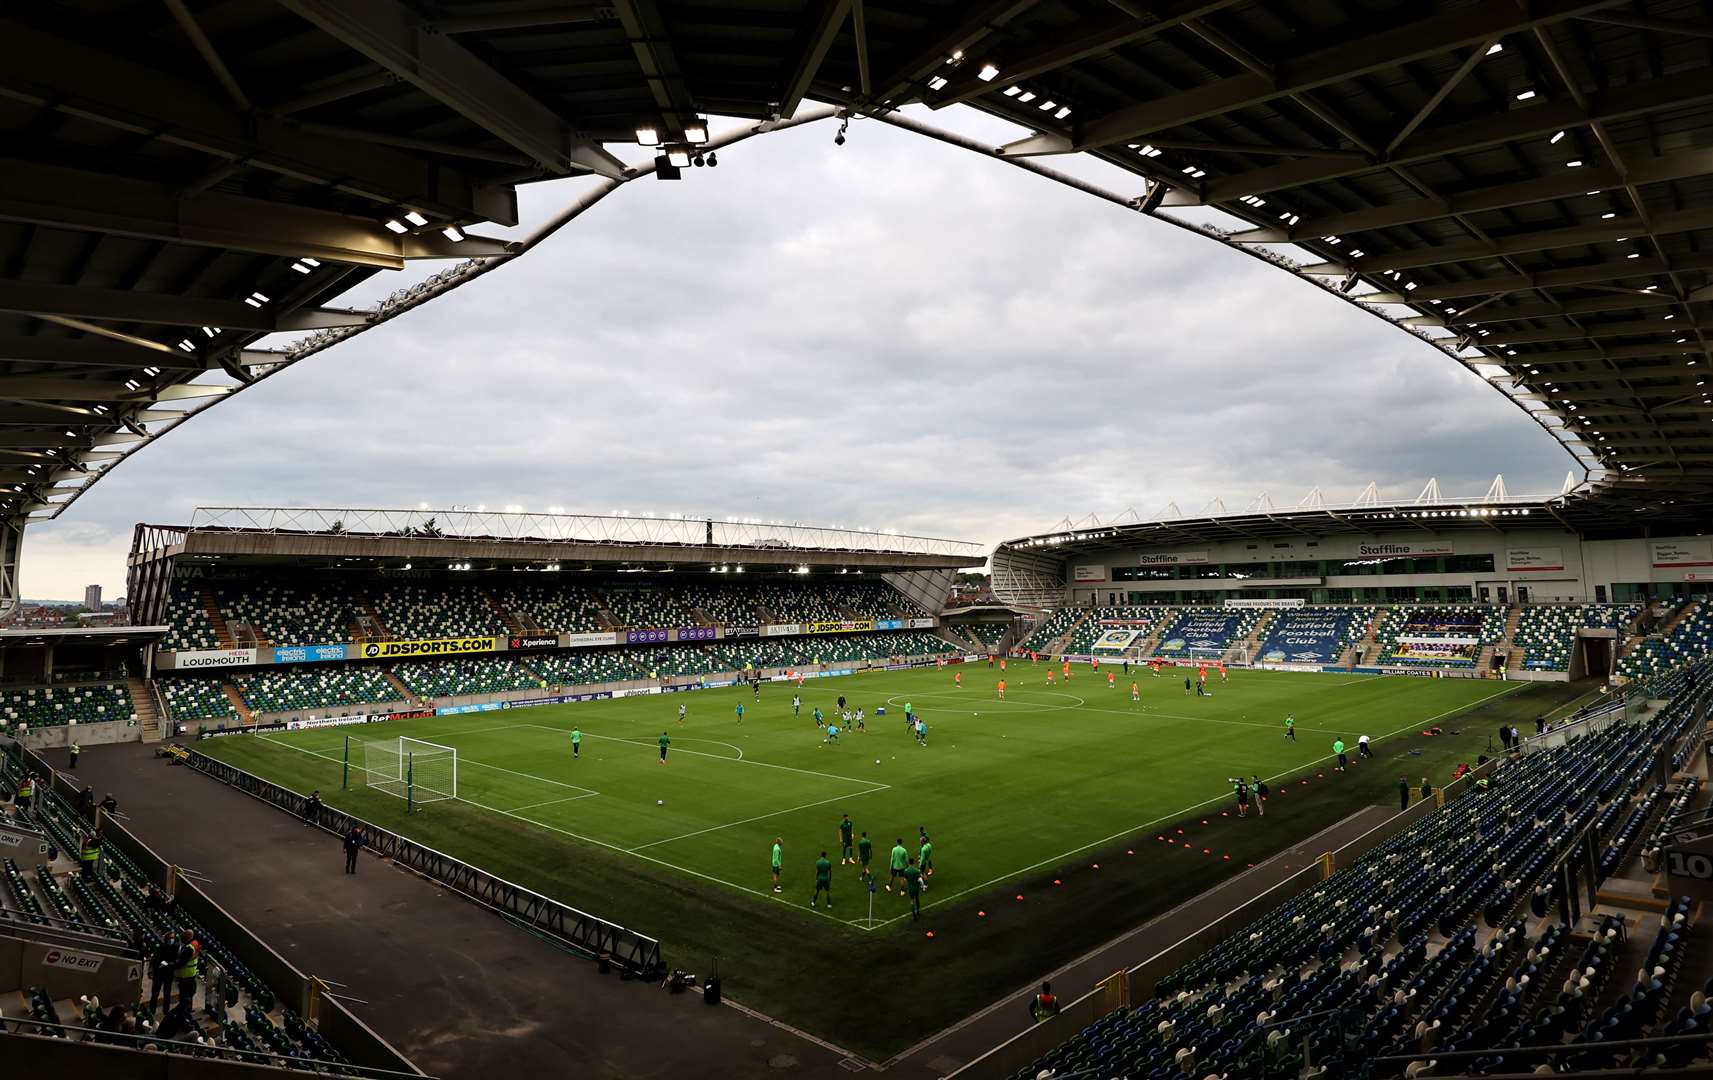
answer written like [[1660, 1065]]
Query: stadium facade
[[1489, 550]]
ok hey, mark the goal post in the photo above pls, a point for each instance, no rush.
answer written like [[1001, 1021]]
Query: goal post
[[415, 770], [1231, 656]]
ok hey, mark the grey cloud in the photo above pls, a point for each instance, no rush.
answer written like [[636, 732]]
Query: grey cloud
[[891, 334]]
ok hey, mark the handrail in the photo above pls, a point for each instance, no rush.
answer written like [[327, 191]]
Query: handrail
[[588, 933], [14, 1026]]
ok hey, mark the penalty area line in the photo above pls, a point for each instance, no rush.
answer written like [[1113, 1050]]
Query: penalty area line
[[762, 817], [610, 846]]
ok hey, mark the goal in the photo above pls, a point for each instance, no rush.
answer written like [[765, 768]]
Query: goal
[[1232, 655], [410, 769]]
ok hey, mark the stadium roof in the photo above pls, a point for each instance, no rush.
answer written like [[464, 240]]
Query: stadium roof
[[1525, 185], [353, 538]]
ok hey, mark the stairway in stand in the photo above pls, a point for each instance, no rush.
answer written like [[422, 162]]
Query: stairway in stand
[[237, 701], [1251, 645], [411, 696], [1513, 653], [1151, 640], [1057, 645], [513, 624], [148, 710], [212, 607]]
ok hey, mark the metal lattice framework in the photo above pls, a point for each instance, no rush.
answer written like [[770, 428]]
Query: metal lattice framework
[[1524, 185], [599, 529]]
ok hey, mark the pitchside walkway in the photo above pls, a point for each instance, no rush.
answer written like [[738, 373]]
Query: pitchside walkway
[[456, 989]]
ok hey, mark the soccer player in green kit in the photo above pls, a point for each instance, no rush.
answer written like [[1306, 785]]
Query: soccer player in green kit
[[913, 886], [900, 859], [846, 856], [778, 861], [925, 858], [823, 880], [865, 852]]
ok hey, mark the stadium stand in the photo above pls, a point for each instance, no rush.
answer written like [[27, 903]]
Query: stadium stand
[[988, 634], [728, 607], [189, 624], [232, 1015], [1400, 945], [1083, 638], [413, 610], [1050, 629], [465, 676], [562, 608], [287, 613], [1687, 634], [52, 706], [646, 605], [1450, 635], [1311, 635], [1198, 630], [1546, 633], [192, 699], [287, 689]]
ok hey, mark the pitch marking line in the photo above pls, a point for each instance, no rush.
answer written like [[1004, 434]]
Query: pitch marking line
[[554, 802], [762, 817], [611, 846], [643, 740], [716, 757], [1055, 859], [462, 760]]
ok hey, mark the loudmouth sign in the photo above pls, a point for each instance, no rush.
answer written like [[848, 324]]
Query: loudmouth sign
[[214, 658], [535, 641], [697, 633], [644, 637]]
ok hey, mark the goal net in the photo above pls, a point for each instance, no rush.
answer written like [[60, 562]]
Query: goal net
[[1231, 655], [411, 769]]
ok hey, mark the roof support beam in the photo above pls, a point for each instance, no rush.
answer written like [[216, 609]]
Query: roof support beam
[[1597, 273], [1673, 221], [829, 18], [76, 199], [959, 37], [1610, 301], [1634, 99], [392, 36], [1088, 37], [1413, 41], [131, 306], [527, 19], [95, 352], [646, 31], [1588, 332], [71, 78], [1566, 183]]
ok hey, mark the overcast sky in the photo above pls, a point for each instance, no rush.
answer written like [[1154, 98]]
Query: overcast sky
[[890, 334]]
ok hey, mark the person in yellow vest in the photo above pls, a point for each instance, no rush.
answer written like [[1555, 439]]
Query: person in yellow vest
[[89, 853], [75, 750], [26, 791], [186, 967]]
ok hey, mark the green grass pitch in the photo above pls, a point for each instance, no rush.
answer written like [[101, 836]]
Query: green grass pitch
[[1037, 784]]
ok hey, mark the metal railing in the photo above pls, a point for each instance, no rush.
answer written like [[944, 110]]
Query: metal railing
[[591, 934], [80, 1033], [773, 537]]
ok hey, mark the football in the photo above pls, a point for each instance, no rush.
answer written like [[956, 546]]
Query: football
[[660, 802]]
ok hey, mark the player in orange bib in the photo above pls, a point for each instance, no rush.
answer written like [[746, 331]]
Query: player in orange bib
[[1135, 692], [958, 680], [1067, 670], [1222, 676], [1002, 665], [1002, 689], [1049, 676], [1111, 681]]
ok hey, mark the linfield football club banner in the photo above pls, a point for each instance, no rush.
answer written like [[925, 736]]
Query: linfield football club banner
[[391, 650]]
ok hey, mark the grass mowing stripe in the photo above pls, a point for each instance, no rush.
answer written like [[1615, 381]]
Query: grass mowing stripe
[[1025, 783], [578, 836], [762, 817], [1051, 860]]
